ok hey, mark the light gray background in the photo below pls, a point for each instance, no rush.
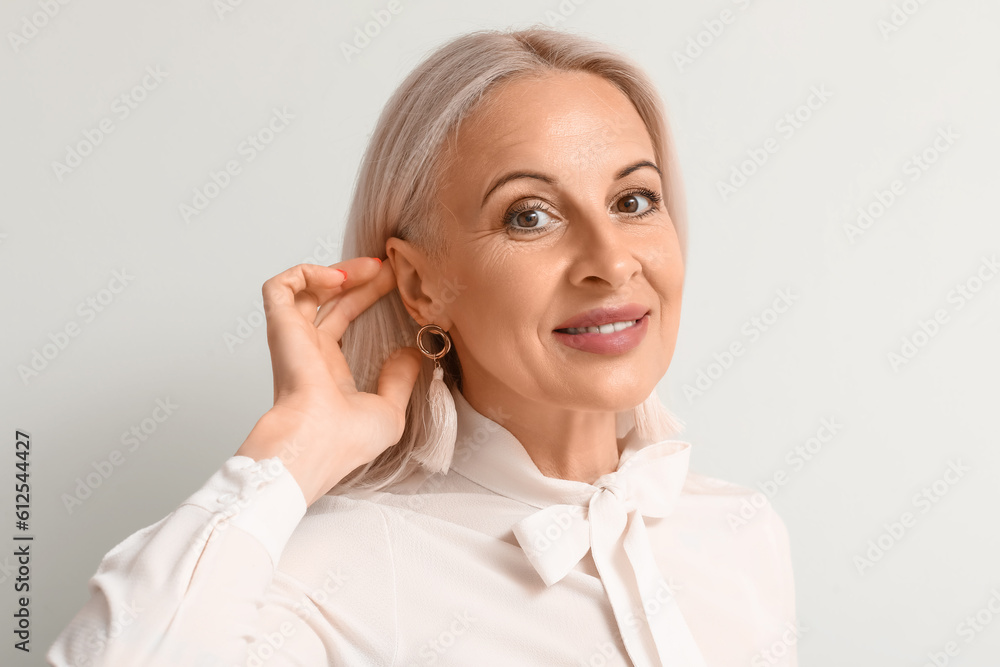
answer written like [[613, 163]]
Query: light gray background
[[163, 336]]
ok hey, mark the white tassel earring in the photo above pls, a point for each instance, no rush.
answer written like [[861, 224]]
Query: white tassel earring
[[653, 421], [436, 453]]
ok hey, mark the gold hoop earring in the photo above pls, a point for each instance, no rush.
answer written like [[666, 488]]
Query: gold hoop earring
[[439, 446], [433, 328]]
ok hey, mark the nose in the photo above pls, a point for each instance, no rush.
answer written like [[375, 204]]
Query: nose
[[604, 251]]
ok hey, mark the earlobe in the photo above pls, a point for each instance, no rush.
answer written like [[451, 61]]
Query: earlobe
[[410, 266]]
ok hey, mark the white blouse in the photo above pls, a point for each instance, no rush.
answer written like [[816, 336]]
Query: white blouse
[[490, 564]]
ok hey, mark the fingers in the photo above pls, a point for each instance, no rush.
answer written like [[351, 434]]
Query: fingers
[[399, 375], [331, 303], [305, 286], [335, 315]]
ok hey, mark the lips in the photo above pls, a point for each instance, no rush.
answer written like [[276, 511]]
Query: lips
[[606, 315]]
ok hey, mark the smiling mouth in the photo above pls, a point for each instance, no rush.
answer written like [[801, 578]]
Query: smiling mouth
[[611, 327]]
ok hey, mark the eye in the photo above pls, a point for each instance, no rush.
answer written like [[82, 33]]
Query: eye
[[638, 203], [527, 217]]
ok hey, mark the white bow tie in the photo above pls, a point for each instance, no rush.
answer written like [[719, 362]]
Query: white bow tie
[[611, 526]]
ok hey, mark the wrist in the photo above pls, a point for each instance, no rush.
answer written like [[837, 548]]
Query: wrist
[[313, 469]]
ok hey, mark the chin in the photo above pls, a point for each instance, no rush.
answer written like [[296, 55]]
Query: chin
[[615, 398]]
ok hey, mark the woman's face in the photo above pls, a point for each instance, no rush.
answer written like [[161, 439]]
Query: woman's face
[[553, 211]]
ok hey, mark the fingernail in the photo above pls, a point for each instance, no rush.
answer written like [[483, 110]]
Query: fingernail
[[379, 261], [342, 271]]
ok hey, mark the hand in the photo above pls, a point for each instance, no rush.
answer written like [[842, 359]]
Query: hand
[[321, 426]]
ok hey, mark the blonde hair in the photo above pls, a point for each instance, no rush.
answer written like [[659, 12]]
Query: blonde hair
[[395, 190]]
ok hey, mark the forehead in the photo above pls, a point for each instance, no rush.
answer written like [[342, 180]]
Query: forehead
[[548, 117]]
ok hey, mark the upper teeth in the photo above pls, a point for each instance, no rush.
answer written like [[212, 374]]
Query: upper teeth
[[604, 328]]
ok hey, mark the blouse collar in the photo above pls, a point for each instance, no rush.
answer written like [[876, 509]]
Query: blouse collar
[[489, 455], [604, 518]]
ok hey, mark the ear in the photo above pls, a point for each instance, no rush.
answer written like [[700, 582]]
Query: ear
[[415, 280]]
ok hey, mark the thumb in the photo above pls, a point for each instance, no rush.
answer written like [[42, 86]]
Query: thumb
[[398, 376]]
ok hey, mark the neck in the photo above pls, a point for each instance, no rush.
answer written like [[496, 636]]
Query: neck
[[563, 443]]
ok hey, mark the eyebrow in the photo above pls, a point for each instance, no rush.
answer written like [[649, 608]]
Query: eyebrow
[[515, 175]]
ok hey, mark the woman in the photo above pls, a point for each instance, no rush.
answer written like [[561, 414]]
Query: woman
[[466, 462]]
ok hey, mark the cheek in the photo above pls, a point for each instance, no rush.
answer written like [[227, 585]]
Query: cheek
[[502, 304], [667, 280], [666, 265], [669, 294]]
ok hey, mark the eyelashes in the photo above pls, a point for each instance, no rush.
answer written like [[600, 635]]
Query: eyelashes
[[538, 206]]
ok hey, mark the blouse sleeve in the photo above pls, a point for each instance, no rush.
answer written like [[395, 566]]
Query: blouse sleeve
[[195, 588]]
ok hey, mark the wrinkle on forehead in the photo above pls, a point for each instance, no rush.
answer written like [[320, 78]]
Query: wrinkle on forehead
[[504, 123]]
